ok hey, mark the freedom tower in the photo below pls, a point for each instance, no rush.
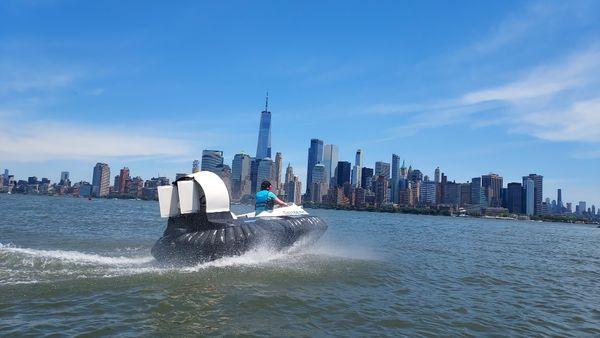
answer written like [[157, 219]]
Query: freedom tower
[[263, 149]]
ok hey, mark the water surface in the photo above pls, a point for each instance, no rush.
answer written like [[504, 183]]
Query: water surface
[[73, 266]]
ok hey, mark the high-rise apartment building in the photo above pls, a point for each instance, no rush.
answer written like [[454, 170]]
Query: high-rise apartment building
[[212, 160], [101, 180], [263, 148]]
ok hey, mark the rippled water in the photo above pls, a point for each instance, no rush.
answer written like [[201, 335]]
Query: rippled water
[[73, 266]]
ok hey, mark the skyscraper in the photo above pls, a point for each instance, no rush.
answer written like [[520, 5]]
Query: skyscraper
[[101, 180], [342, 174], [240, 175], [264, 172], [64, 176], [395, 177], [514, 198], [492, 189], [356, 170], [123, 179], [211, 160], [559, 202], [320, 182], [330, 159], [538, 192], [315, 155], [263, 148], [528, 196], [366, 178], [277, 172], [477, 193], [436, 175], [382, 169]]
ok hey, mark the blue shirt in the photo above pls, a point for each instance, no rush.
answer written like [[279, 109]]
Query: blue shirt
[[264, 201]]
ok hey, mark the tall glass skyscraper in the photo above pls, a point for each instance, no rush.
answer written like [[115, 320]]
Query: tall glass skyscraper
[[315, 155], [263, 148], [330, 159]]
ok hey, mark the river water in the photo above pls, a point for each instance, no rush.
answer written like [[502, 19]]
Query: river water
[[73, 266]]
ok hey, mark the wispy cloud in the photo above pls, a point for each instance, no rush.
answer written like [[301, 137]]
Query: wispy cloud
[[46, 141], [557, 101]]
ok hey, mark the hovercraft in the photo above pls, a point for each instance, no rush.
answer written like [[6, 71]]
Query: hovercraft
[[201, 227]]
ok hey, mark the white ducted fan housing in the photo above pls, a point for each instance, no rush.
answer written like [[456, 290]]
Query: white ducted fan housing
[[188, 195]]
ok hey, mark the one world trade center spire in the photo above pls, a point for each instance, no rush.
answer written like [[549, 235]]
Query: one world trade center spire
[[263, 149]]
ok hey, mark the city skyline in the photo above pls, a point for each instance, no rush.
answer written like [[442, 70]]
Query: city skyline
[[487, 96]]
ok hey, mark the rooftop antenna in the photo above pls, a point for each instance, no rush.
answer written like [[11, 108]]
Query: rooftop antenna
[[267, 102]]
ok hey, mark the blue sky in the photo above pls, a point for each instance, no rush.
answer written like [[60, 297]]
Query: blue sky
[[472, 87]]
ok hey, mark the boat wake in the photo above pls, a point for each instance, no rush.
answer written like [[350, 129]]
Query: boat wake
[[26, 265]]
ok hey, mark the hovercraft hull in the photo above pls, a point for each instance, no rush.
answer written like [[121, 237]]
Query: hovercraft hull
[[191, 239]]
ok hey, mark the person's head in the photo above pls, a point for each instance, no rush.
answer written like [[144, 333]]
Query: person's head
[[265, 185]]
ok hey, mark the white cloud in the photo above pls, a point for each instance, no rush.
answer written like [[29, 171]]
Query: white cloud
[[52, 141], [579, 70]]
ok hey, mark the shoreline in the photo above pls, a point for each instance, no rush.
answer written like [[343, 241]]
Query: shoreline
[[449, 213]]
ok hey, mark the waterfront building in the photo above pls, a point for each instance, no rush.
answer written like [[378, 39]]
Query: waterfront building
[[211, 159], [492, 189], [64, 178], [477, 194], [538, 192], [342, 174], [559, 202], [395, 178], [382, 169], [135, 187], [315, 155], [195, 166], [427, 192], [277, 173], [101, 180], [123, 179], [581, 207], [451, 194], [330, 160], [381, 190], [264, 172], [366, 178], [356, 170], [514, 198], [465, 194], [415, 188], [528, 196], [263, 147]]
